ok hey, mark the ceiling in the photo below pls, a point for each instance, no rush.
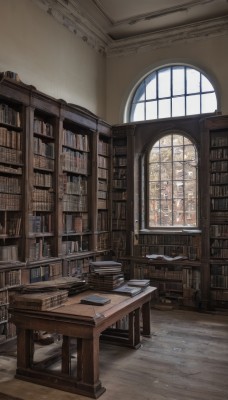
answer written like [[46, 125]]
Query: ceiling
[[114, 25]]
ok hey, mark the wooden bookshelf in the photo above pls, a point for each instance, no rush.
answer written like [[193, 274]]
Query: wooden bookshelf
[[216, 232], [49, 180]]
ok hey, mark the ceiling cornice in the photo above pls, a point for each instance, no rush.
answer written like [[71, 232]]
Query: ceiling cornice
[[166, 38], [70, 14]]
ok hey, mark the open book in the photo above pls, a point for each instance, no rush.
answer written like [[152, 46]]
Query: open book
[[166, 258]]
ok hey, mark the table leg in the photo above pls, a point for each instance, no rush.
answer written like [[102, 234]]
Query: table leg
[[66, 355], [88, 365], [25, 348], [146, 319]]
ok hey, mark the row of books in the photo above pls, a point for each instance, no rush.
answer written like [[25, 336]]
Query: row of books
[[43, 162], [10, 184], [120, 173], [9, 116], [73, 223], [9, 138], [219, 281], [74, 161], [120, 161], [219, 166], [42, 179], [8, 155], [103, 173], [16, 170], [10, 278], [43, 149], [42, 127], [42, 196], [220, 204], [162, 239], [75, 140], [10, 202], [11, 227], [219, 269], [219, 253], [103, 241], [217, 141], [218, 154], [103, 148], [74, 246], [40, 223], [119, 183], [102, 220], [102, 186], [219, 191], [76, 188], [219, 243], [218, 178], [39, 248], [75, 203], [119, 210], [103, 162], [9, 253]]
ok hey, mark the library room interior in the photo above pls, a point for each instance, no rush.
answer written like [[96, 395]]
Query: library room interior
[[114, 200]]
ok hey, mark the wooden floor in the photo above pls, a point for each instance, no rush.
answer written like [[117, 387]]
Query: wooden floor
[[186, 358]]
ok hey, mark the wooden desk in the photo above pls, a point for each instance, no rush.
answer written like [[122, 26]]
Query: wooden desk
[[86, 323]]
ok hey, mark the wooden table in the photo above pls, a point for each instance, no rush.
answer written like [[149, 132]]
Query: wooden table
[[86, 323]]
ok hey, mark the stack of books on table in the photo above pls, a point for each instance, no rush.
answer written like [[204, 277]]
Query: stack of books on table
[[105, 275], [132, 287]]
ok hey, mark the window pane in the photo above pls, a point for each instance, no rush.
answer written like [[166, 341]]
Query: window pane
[[178, 81], [178, 106], [178, 190], [178, 214], [166, 190], [154, 190], [209, 103], [193, 105], [166, 171], [189, 153], [140, 93], [178, 153], [164, 109], [151, 92], [206, 85], [138, 112], [166, 141], [166, 154], [178, 170], [166, 212], [154, 172], [189, 172], [178, 140], [151, 110], [154, 154], [193, 80], [154, 215], [164, 83]]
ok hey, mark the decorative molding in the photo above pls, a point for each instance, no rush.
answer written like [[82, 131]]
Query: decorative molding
[[70, 14], [165, 38]]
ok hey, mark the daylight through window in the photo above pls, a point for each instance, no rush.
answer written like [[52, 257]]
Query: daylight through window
[[172, 92], [172, 176]]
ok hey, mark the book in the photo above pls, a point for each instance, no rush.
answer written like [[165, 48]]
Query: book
[[95, 300], [139, 282], [128, 290]]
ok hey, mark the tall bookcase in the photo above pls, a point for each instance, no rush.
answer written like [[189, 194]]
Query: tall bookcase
[[122, 190], [55, 161], [215, 250]]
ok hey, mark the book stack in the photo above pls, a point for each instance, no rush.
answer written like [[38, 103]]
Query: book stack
[[105, 275], [40, 301]]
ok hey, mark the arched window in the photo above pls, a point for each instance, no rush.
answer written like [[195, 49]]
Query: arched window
[[172, 182], [172, 92]]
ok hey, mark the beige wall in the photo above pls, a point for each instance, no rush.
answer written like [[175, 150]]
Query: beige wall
[[48, 56], [209, 55]]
